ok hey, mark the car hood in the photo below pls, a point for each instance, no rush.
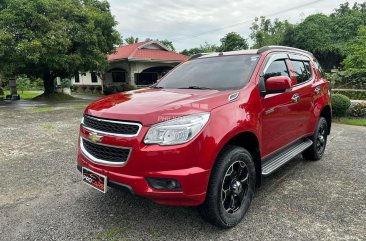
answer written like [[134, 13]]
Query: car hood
[[150, 106]]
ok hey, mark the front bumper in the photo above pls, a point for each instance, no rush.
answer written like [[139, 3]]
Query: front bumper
[[190, 179], [183, 163]]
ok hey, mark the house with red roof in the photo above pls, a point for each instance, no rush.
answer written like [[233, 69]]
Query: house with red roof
[[137, 64]]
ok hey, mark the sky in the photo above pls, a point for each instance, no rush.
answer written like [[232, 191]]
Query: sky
[[190, 23]]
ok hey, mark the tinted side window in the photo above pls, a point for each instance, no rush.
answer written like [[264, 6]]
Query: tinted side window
[[319, 68], [308, 69], [277, 68], [301, 72]]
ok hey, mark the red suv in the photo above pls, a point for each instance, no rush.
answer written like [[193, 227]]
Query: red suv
[[208, 130]]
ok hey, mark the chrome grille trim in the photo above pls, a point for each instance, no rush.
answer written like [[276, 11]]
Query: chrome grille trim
[[100, 161], [112, 121]]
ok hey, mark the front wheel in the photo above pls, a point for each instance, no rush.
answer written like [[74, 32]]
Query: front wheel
[[316, 150], [231, 188]]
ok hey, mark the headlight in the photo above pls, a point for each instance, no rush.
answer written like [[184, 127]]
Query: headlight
[[176, 131]]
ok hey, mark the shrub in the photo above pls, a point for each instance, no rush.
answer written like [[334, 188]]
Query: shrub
[[98, 89], [37, 84], [358, 110], [74, 88], [110, 90], [1, 92], [92, 88], [340, 104], [352, 94], [65, 83], [125, 87], [345, 80], [121, 88], [84, 88]]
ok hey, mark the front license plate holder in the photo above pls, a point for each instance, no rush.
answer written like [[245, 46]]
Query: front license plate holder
[[95, 180]]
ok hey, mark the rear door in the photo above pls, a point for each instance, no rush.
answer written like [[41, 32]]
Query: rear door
[[302, 73]]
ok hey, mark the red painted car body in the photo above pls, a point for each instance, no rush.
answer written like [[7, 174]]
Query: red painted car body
[[272, 121]]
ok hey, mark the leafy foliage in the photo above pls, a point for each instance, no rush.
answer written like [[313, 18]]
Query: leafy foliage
[[233, 41], [355, 62], [265, 32], [23, 83], [340, 104], [65, 83], [168, 44], [50, 38], [115, 89], [131, 40], [358, 110], [352, 94], [205, 48], [230, 42]]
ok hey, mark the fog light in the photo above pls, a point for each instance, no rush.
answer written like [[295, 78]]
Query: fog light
[[164, 184]]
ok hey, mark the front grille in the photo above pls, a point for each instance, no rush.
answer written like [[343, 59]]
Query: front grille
[[111, 126], [103, 153]]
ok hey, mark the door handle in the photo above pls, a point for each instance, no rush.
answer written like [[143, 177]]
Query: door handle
[[317, 90], [295, 98]]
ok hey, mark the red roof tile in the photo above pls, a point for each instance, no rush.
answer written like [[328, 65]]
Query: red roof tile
[[132, 51]]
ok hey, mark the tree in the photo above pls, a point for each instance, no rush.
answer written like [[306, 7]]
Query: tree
[[205, 48], [265, 32], [315, 34], [23, 83], [233, 41], [355, 62], [167, 43], [55, 38], [131, 40]]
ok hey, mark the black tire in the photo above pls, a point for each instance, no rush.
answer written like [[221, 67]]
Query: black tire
[[231, 188], [316, 150]]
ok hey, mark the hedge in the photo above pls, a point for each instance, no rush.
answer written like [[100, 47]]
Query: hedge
[[352, 94]]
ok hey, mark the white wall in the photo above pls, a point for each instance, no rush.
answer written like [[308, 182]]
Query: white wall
[[85, 79]]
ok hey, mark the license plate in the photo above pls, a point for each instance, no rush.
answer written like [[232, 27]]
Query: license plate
[[94, 179]]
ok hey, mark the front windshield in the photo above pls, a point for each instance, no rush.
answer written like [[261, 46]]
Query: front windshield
[[218, 73]]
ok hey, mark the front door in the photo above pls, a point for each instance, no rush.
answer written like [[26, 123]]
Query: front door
[[279, 111]]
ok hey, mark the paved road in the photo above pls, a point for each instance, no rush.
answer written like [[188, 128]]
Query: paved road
[[42, 198]]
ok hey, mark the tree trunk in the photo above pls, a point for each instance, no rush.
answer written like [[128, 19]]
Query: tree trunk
[[49, 84]]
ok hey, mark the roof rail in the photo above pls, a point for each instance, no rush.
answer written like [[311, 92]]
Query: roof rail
[[267, 48], [195, 56]]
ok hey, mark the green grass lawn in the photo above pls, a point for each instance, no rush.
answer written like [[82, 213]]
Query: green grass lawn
[[351, 121], [26, 95], [55, 97]]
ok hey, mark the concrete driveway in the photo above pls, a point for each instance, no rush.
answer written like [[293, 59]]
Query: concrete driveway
[[42, 197]]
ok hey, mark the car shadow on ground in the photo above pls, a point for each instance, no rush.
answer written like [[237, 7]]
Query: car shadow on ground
[[122, 216]]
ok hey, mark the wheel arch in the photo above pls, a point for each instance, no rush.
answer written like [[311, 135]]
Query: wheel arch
[[327, 114], [249, 141]]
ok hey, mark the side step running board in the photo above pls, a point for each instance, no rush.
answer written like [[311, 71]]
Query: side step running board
[[284, 156]]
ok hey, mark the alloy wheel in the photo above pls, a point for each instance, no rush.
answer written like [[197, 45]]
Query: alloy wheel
[[234, 186]]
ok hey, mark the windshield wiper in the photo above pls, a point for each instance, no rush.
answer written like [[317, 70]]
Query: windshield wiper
[[156, 87], [196, 87]]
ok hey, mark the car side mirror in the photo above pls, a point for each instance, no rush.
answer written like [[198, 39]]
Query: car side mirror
[[277, 84]]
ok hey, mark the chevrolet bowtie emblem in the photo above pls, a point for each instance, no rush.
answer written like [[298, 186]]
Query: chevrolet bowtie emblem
[[93, 137]]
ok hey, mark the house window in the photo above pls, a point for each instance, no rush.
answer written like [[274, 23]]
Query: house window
[[94, 78], [118, 76], [77, 78]]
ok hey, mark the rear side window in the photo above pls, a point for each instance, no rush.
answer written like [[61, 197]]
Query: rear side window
[[302, 70], [319, 68], [277, 68]]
